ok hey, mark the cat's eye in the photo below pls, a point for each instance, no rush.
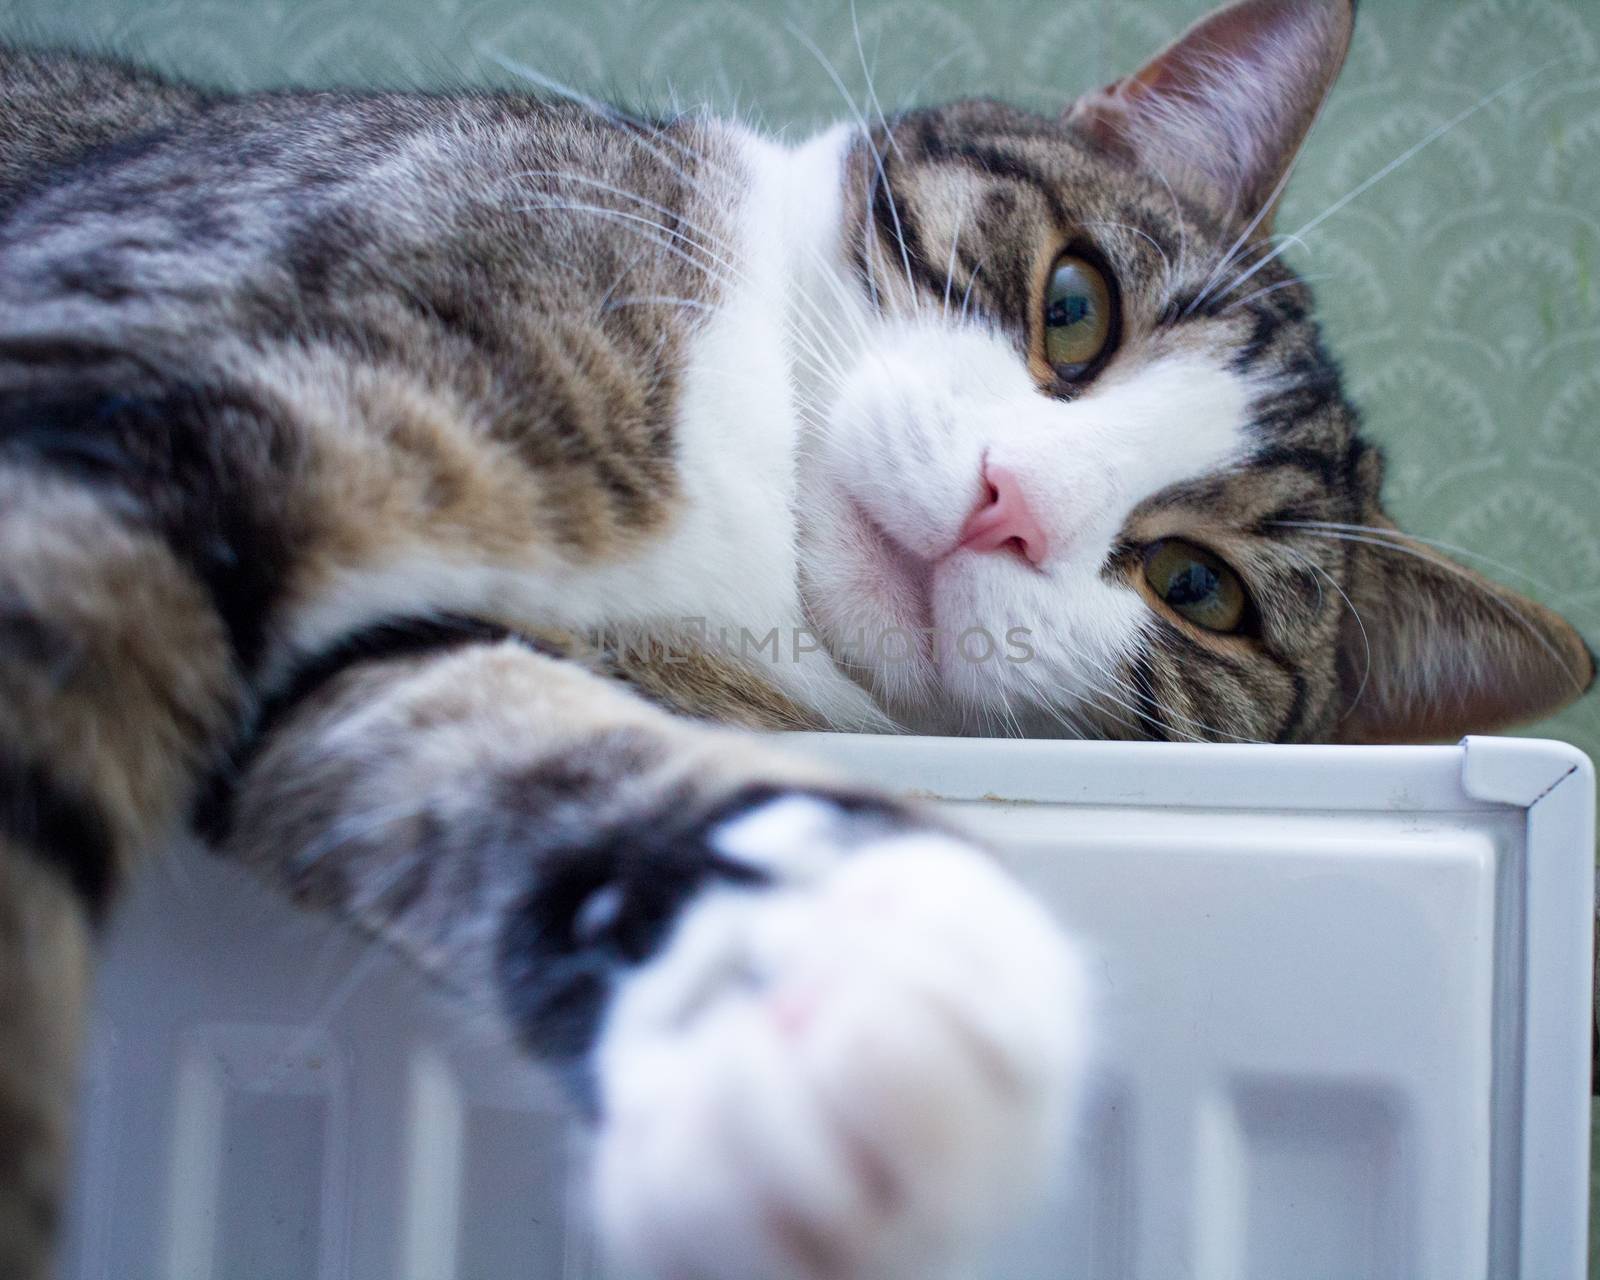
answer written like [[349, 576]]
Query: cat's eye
[[1077, 316], [1196, 585]]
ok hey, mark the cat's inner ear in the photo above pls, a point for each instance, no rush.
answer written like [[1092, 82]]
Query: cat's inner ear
[[1441, 651], [1224, 109]]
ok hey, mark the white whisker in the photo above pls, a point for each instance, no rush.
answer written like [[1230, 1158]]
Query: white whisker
[[1432, 137]]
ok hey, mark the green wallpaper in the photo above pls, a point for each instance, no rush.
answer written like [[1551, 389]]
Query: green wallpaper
[[1461, 289]]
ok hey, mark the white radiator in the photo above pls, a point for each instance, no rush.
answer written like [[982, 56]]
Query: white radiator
[[1345, 1016]]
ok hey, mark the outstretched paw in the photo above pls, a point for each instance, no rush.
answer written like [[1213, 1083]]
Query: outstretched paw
[[851, 1071]]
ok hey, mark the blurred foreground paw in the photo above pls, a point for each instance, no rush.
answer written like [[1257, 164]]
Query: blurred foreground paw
[[856, 1072]]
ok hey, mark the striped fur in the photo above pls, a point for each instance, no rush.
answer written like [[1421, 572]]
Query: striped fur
[[338, 429]]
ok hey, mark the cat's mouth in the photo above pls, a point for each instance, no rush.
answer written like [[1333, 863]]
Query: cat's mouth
[[898, 581], [901, 587]]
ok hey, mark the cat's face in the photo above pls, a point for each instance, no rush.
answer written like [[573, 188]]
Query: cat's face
[[993, 489], [1082, 460]]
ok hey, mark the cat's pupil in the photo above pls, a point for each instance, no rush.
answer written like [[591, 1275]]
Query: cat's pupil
[[1196, 584], [1072, 309]]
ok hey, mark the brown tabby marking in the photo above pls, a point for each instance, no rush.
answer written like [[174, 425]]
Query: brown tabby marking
[[266, 359]]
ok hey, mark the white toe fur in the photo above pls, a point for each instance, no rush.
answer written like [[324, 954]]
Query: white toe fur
[[853, 1078]]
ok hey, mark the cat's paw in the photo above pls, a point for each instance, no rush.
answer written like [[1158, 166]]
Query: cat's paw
[[852, 1074]]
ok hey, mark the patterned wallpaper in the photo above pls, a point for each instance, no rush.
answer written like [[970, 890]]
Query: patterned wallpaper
[[1462, 289]]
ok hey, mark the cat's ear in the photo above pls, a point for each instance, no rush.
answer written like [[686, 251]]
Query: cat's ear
[[1225, 108], [1441, 651]]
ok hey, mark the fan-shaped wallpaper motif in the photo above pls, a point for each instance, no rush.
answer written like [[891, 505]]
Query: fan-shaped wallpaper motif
[[1462, 288]]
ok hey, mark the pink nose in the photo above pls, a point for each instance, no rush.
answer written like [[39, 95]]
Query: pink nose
[[1004, 522]]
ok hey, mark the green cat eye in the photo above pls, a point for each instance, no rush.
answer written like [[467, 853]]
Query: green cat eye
[[1196, 585], [1077, 316]]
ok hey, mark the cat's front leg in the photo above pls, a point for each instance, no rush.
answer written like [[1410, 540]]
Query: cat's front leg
[[817, 1035]]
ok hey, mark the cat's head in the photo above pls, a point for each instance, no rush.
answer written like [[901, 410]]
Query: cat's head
[[1076, 420]]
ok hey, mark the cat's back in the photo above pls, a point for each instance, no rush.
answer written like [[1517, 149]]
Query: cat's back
[[296, 208], [480, 243], [56, 107], [449, 349]]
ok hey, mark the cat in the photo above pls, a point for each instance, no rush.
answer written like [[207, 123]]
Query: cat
[[424, 496]]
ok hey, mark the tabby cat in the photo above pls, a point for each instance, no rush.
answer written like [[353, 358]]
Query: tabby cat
[[424, 496]]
